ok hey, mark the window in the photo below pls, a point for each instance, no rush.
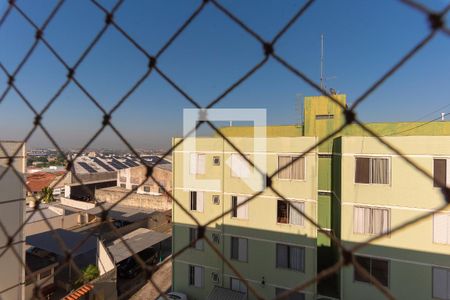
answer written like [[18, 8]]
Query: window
[[441, 228], [134, 187], [290, 257], [378, 268], [197, 163], [193, 234], [216, 160], [370, 220], [237, 285], [196, 201], [45, 274], [123, 185], [294, 296], [239, 166], [295, 170], [146, 189], [440, 172], [239, 248], [324, 117], [441, 283], [374, 170], [240, 212], [196, 276], [287, 214]]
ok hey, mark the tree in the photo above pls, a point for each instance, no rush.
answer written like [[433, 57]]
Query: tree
[[88, 274], [47, 195]]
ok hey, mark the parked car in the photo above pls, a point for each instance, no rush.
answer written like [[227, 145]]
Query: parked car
[[174, 296], [130, 268]]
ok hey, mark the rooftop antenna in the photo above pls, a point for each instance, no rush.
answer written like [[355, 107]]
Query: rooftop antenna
[[322, 83], [322, 73]]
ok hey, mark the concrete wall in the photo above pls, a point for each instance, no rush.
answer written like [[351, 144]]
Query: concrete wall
[[138, 175], [63, 222], [261, 228], [104, 262], [114, 194], [12, 214], [77, 204], [411, 252]]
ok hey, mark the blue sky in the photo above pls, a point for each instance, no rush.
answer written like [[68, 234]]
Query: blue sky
[[363, 39]]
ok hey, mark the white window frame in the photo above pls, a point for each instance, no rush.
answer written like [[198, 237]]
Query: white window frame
[[241, 211], [289, 266], [389, 159], [290, 174], [242, 250], [372, 208], [302, 220], [193, 234], [199, 199], [446, 235], [199, 276], [237, 285]]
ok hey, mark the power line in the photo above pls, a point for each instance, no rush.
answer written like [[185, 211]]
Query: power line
[[433, 112], [415, 127]]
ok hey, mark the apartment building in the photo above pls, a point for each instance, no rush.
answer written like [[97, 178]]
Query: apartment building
[[12, 215], [360, 189], [266, 240], [381, 191]]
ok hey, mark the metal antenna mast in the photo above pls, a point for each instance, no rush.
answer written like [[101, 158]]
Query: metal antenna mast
[[322, 84]]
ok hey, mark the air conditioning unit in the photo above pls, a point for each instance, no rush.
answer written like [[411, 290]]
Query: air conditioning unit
[[216, 238], [215, 277], [216, 199]]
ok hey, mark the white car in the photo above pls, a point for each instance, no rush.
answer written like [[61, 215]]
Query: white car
[[174, 296]]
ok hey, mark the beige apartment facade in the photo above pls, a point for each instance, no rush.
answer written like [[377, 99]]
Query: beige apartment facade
[[270, 244], [381, 191]]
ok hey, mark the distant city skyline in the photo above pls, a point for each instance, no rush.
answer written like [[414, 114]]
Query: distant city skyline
[[362, 41]]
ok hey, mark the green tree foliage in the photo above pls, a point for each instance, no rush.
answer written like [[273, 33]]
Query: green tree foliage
[[88, 274], [47, 195]]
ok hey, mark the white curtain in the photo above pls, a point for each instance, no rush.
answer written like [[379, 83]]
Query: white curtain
[[358, 219], [242, 249], [201, 160], [193, 164], [440, 283], [283, 161], [295, 217], [200, 201], [242, 211], [282, 256], [380, 170], [296, 258], [198, 281], [441, 228], [235, 284], [298, 169], [377, 221]]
